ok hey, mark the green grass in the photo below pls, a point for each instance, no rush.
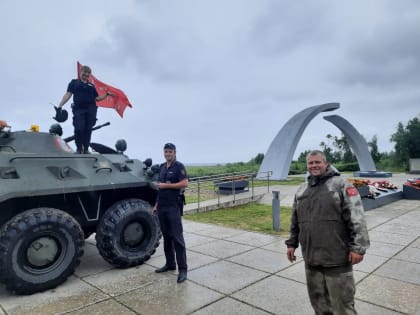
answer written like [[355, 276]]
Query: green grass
[[207, 190], [197, 171], [289, 181], [193, 198], [251, 217]]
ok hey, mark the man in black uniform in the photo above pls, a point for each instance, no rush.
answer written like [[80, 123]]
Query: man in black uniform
[[85, 97], [172, 180]]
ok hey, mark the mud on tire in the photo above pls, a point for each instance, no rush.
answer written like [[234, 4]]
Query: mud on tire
[[39, 249], [128, 233]]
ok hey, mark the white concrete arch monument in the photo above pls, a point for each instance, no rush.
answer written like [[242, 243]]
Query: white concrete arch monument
[[356, 141], [280, 152]]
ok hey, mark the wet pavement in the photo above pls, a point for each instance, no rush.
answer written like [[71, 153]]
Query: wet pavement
[[233, 271]]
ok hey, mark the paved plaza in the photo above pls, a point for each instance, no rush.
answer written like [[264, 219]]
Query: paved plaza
[[233, 271]]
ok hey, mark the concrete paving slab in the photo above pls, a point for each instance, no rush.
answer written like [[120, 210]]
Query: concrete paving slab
[[410, 254], [400, 270], [408, 220], [231, 307], [277, 295], [262, 259], [193, 239], [370, 262], [286, 196], [277, 246], [71, 295], [220, 232], [295, 272], [364, 308], [91, 239], [191, 226], [389, 293], [91, 265], [408, 204], [118, 281], [391, 238], [225, 277], [384, 249], [416, 243], [374, 220], [280, 246], [397, 228], [159, 249], [412, 209], [221, 249], [106, 307], [392, 210], [194, 260], [167, 297], [90, 249], [253, 239], [157, 261], [386, 279], [359, 275]]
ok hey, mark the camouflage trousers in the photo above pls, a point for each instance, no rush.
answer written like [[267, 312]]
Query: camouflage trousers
[[331, 290]]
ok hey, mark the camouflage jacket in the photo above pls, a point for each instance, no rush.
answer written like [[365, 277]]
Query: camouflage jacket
[[328, 221]]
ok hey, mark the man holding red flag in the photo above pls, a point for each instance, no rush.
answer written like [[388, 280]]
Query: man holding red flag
[[118, 99], [84, 109], [86, 99]]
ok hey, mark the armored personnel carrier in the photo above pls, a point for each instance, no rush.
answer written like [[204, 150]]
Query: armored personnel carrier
[[51, 199]]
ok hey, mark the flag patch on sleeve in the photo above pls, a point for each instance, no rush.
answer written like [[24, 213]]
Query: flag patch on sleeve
[[352, 191]]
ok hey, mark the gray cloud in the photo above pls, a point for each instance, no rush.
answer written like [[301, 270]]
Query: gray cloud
[[219, 78], [387, 53], [284, 27]]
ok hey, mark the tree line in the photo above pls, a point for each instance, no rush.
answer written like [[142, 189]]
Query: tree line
[[337, 150], [406, 141]]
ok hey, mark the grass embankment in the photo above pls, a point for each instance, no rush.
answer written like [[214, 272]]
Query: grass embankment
[[251, 217], [208, 191]]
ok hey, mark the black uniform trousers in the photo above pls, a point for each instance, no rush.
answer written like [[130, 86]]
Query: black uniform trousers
[[173, 240], [84, 118]]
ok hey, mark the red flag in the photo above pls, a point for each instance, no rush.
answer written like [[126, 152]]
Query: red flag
[[118, 100]]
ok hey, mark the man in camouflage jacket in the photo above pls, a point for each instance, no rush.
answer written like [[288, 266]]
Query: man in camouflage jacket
[[328, 221]]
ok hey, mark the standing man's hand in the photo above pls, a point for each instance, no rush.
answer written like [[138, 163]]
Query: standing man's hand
[[154, 210], [291, 254], [355, 258]]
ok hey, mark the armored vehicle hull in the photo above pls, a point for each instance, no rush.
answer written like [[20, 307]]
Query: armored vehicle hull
[[52, 199]]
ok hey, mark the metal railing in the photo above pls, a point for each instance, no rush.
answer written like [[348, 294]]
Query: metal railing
[[213, 186]]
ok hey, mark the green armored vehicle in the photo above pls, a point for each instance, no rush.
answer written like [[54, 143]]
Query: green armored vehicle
[[51, 199]]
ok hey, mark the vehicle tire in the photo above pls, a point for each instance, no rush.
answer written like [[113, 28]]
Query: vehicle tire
[[128, 233], [39, 249]]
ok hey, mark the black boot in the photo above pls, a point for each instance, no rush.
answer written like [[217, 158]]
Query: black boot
[[164, 269], [182, 276]]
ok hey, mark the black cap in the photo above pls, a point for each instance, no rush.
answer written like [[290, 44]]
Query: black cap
[[169, 146]]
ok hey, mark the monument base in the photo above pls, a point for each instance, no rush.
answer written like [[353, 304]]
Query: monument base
[[411, 192], [232, 187], [383, 199], [372, 174]]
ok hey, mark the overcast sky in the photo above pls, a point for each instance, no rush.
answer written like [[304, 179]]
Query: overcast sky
[[217, 78]]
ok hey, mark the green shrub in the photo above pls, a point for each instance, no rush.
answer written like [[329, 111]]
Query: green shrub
[[297, 168], [347, 167]]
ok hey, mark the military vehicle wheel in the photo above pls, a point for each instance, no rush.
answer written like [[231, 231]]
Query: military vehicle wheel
[[39, 249], [128, 233]]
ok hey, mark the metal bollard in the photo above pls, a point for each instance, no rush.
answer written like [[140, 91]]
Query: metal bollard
[[276, 210]]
